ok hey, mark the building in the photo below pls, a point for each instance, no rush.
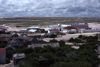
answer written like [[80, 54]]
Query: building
[[35, 30], [2, 55], [32, 29], [53, 31], [65, 25], [18, 56], [74, 28], [3, 28], [69, 29], [81, 27], [17, 42], [4, 36]]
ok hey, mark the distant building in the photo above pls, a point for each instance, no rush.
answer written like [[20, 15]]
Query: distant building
[[80, 26], [3, 28], [11, 64], [2, 55], [69, 29], [32, 29], [73, 28], [53, 31], [35, 30]]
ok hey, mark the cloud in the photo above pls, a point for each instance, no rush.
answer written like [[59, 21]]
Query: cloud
[[50, 8]]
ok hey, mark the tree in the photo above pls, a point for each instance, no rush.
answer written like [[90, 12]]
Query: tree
[[71, 64], [3, 45], [82, 37], [71, 40], [61, 43], [15, 35], [24, 50], [53, 36], [76, 40], [53, 41]]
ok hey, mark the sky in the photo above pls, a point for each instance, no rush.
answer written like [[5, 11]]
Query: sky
[[49, 8]]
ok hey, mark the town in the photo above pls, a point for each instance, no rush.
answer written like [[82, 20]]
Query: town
[[50, 46], [49, 33]]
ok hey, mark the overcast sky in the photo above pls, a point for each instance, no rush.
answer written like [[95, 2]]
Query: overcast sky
[[49, 8]]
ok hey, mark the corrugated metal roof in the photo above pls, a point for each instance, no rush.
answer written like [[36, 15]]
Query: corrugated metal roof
[[54, 30], [80, 25], [69, 28], [2, 51]]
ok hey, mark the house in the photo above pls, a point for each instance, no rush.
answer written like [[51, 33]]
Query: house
[[81, 27], [2, 55], [65, 25], [3, 28], [32, 29], [53, 31], [18, 56], [74, 28], [16, 42], [35, 30], [92, 30], [69, 29]]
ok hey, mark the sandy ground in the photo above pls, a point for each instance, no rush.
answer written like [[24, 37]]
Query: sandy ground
[[65, 37], [16, 29], [68, 36], [94, 25], [8, 65]]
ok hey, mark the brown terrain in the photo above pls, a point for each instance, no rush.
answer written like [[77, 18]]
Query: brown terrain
[[46, 21]]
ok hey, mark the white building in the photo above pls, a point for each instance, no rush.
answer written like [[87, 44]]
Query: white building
[[32, 29], [18, 56]]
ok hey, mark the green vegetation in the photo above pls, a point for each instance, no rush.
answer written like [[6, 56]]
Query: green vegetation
[[62, 43], [63, 56], [53, 36], [2, 45], [72, 64], [53, 41], [76, 40]]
